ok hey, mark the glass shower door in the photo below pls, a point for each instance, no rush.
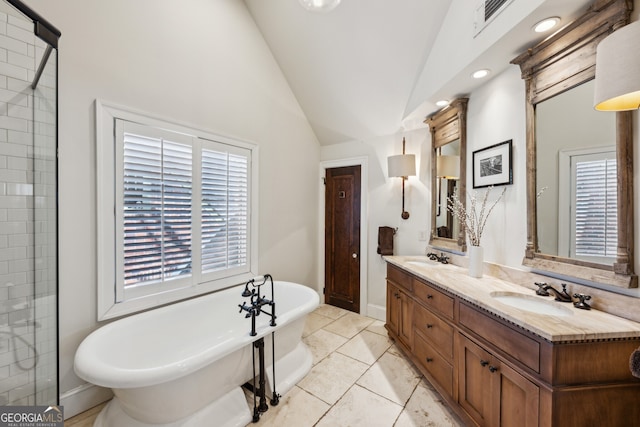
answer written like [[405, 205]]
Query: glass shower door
[[28, 210]]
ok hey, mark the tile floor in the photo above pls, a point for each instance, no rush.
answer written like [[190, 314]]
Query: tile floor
[[358, 378]]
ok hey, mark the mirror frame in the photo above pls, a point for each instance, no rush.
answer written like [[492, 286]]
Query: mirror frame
[[555, 65], [447, 125]]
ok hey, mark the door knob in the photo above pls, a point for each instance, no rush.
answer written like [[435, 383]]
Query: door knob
[[354, 255]]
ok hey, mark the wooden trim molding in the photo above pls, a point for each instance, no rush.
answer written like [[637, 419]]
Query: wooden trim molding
[[550, 68]]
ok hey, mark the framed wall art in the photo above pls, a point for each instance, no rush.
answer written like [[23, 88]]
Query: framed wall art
[[493, 165]]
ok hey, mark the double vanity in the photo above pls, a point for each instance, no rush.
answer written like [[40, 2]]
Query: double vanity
[[500, 355]]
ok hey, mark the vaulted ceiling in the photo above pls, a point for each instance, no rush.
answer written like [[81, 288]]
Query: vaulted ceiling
[[371, 68]]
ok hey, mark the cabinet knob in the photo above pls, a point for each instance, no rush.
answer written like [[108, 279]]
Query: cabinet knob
[[493, 368], [429, 326], [429, 296], [484, 363], [429, 359]]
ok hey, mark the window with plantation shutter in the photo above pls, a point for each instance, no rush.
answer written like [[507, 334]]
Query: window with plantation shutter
[[181, 202], [595, 207], [589, 201], [224, 210], [156, 207]]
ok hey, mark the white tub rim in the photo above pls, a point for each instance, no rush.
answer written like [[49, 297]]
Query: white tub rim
[[94, 370]]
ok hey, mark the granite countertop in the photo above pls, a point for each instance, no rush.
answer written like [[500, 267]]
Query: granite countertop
[[565, 323]]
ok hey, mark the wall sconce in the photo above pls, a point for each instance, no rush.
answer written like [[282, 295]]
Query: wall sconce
[[402, 166], [448, 167], [617, 85]]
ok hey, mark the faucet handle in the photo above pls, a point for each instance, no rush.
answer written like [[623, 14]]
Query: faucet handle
[[581, 301], [541, 291]]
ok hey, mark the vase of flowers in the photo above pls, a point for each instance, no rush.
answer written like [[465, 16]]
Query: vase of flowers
[[474, 222]]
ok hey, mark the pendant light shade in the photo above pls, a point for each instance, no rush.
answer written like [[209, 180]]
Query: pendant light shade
[[617, 84], [319, 5]]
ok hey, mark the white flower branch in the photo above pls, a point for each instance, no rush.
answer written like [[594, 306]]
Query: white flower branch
[[473, 221]]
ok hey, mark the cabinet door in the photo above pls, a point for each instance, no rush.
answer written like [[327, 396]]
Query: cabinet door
[[474, 392], [405, 327], [393, 308], [518, 402], [400, 314], [491, 392]]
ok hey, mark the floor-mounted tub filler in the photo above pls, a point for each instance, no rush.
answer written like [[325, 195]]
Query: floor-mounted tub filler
[[184, 364]]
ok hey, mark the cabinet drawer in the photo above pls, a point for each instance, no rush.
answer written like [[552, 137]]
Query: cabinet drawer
[[436, 331], [433, 298], [399, 277], [439, 368], [519, 346]]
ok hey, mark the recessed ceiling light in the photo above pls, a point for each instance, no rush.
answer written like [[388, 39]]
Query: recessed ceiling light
[[319, 5], [480, 74], [442, 103], [546, 24]]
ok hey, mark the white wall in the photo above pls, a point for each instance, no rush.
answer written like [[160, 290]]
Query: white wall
[[496, 113], [199, 62]]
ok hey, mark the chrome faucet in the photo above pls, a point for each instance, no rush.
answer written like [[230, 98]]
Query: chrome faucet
[[561, 296]]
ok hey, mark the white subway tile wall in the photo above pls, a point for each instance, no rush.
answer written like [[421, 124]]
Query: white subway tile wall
[[28, 241]]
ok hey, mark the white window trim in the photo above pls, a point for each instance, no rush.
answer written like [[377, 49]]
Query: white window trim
[[107, 308], [566, 241]]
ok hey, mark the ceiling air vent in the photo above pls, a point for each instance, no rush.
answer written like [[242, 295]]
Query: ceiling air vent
[[486, 11]]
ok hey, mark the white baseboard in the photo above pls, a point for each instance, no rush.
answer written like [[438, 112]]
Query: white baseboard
[[82, 398], [377, 312]]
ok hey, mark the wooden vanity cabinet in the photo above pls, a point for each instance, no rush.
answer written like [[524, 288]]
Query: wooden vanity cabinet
[[494, 373]]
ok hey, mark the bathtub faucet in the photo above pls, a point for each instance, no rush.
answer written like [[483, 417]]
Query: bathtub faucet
[[257, 301], [253, 309]]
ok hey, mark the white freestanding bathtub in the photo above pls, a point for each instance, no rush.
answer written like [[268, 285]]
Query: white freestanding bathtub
[[184, 364]]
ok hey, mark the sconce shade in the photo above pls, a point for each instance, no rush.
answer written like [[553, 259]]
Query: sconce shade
[[402, 165], [448, 167], [617, 84]]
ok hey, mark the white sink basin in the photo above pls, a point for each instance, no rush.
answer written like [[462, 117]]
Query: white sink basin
[[531, 303]]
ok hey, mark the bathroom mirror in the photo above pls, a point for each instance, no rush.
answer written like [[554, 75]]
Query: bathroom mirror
[[448, 129], [569, 232]]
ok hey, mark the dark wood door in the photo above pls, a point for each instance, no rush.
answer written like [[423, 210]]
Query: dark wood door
[[342, 238]]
